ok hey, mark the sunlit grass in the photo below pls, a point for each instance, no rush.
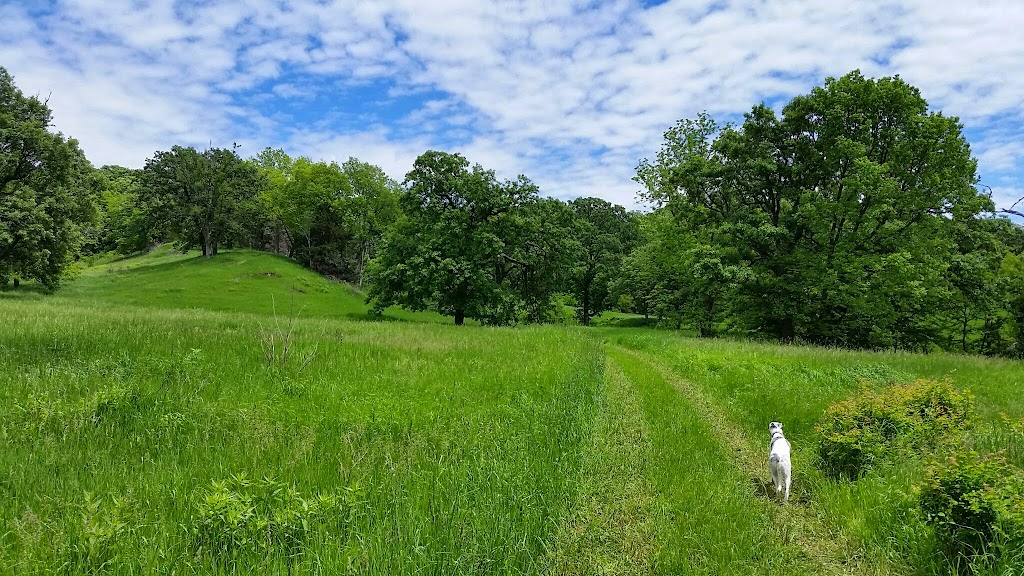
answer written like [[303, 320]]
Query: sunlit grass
[[145, 431], [458, 446], [232, 281], [757, 383]]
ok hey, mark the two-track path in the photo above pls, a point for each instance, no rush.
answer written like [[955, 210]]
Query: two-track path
[[614, 527]]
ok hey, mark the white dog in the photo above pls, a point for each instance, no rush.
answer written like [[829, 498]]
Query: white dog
[[778, 459]]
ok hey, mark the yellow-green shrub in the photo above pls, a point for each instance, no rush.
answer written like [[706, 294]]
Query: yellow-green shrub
[[976, 505], [856, 433]]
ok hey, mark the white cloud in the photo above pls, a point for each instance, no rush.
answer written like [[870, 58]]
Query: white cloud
[[571, 94]]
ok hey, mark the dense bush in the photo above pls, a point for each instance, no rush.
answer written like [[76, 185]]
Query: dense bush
[[856, 433], [240, 518], [976, 505]]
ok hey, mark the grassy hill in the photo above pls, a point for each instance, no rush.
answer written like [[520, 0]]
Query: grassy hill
[[234, 280], [150, 422]]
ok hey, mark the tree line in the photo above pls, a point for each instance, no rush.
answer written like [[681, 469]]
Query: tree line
[[851, 217]]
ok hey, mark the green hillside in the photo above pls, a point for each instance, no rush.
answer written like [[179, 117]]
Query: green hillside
[[235, 281]]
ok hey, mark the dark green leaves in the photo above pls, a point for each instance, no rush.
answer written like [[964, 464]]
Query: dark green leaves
[[47, 191], [830, 223], [470, 246]]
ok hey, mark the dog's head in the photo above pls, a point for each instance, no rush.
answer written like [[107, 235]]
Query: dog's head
[[775, 428]]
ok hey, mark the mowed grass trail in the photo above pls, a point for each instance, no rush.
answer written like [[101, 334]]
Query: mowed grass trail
[[871, 525], [137, 441]]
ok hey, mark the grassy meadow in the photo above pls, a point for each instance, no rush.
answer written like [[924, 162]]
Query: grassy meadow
[[152, 425]]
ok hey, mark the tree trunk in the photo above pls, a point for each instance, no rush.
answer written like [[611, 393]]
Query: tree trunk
[[17, 282], [207, 243], [709, 314], [364, 252], [963, 329], [460, 317], [586, 305]]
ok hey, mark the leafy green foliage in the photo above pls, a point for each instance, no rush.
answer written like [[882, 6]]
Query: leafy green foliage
[[200, 197], [467, 245], [242, 520], [603, 232], [328, 217], [126, 226], [47, 191], [855, 434], [833, 223], [99, 542], [976, 505]]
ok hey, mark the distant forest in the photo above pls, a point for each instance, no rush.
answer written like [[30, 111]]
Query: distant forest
[[853, 218]]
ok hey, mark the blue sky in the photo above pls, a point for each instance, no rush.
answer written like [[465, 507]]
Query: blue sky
[[572, 94]]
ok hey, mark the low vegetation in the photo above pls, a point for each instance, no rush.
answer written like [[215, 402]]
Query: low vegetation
[[203, 369], [155, 440], [892, 422], [148, 438]]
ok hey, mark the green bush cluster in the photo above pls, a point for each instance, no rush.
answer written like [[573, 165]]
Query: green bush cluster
[[975, 504], [41, 415], [98, 543], [240, 519], [858, 432]]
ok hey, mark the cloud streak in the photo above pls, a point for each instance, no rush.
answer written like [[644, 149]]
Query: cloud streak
[[571, 94]]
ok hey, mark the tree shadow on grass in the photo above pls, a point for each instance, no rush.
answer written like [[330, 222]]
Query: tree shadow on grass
[[27, 291], [371, 317]]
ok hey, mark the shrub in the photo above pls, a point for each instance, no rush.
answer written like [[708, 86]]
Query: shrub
[[974, 503], [98, 543], [241, 518], [857, 433]]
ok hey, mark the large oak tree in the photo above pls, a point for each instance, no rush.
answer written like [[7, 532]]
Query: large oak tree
[[202, 197], [47, 191], [839, 212], [463, 245]]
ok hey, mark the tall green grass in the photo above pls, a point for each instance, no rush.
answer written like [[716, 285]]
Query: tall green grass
[[443, 450], [708, 518], [150, 425], [757, 383]]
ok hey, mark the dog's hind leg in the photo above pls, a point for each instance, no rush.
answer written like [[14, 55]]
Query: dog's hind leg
[[788, 474], [773, 467]]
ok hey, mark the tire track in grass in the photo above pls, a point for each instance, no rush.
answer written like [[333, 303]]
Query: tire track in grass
[[705, 520], [797, 523], [610, 531]]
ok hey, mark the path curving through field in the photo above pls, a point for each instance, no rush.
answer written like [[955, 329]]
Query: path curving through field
[[823, 549]]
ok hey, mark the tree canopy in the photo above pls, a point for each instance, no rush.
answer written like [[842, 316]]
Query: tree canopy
[[604, 233], [851, 216], [47, 191], [462, 244], [200, 196], [830, 223]]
